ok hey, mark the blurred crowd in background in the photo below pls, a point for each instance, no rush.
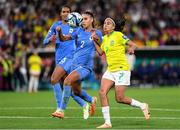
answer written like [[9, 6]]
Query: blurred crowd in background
[[24, 24]]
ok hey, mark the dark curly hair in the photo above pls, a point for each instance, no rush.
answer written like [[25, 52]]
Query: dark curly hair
[[120, 23]]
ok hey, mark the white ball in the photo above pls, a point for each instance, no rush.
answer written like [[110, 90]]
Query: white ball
[[74, 19]]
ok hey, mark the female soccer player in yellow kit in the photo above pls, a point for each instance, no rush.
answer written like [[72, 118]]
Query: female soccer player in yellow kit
[[118, 70]]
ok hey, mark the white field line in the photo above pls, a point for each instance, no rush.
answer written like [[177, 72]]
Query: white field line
[[71, 108], [90, 129], [95, 117]]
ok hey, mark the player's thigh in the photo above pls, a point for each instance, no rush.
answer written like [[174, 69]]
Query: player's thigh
[[83, 72], [106, 84], [58, 73], [66, 64], [61, 69], [72, 77], [78, 74]]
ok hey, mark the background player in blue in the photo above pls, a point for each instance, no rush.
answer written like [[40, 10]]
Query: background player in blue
[[82, 64], [64, 51]]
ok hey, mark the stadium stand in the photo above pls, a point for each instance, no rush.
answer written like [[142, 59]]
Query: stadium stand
[[150, 24]]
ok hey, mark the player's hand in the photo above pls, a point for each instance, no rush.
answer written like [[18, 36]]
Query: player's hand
[[58, 28], [130, 50], [53, 38], [94, 36]]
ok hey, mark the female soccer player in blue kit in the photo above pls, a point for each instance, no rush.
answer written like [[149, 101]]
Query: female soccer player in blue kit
[[63, 55], [82, 63]]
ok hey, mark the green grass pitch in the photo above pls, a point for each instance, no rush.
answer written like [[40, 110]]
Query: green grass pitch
[[32, 111]]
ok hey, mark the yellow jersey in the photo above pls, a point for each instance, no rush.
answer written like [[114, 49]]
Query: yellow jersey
[[34, 62], [114, 46]]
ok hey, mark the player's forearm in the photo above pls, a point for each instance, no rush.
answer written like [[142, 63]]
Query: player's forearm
[[50, 41], [132, 45], [98, 49], [97, 41], [46, 41], [60, 35]]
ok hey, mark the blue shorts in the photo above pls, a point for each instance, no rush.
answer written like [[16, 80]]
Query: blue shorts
[[84, 72], [66, 64]]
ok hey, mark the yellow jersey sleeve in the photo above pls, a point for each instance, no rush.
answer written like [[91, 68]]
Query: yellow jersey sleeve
[[123, 39]]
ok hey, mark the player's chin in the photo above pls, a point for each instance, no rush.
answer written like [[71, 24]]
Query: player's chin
[[105, 30], [84, 25]]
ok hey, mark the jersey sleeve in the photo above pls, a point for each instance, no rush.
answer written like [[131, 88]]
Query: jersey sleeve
[[51, 31], [123, 39]]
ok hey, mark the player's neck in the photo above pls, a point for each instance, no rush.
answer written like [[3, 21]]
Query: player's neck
[[110, 32], [89, 29]]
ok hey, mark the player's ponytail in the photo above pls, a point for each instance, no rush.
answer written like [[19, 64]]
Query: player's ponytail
[[120, 23]]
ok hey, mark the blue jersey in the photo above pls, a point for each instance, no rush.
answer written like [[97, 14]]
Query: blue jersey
[[85, 50], [62, 49]]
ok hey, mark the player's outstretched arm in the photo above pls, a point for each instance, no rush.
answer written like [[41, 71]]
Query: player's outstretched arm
[[131, 48], [50, 37], [51, 41], [61, 36]]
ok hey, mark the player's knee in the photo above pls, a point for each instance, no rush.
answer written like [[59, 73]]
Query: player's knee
[[67, 81], [53, 80], [102, 93], [120, 99]]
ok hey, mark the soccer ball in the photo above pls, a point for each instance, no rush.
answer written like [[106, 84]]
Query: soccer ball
[[74, 19]]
